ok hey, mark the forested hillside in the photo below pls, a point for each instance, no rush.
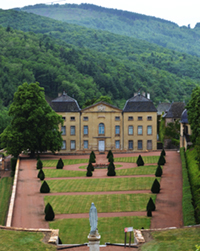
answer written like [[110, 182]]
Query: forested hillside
[[154, 30]]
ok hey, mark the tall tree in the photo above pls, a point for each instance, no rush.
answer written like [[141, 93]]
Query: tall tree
[[34, 125]]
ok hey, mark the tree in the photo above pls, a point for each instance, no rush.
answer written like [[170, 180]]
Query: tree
[[158, 172], [89, 171], [60, 164], [34, 125], [44, 188], [161, 160], [49, 216], [109, 154], [140, 161], [39, 164], [111, 169], [41, 175], [155, 187], [150, 205], [92, 157]]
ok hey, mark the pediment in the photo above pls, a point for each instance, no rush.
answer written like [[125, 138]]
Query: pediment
[[101, 107]]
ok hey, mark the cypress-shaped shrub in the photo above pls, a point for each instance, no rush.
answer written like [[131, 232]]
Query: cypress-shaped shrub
[[91, 166], [149, 213], [46, 208], [60, 164], [92, 159], [89, 171], [50, 214], [109, 154], [140, 161], [41, 175], [161, 160], [44, 188], [111, 169], [163, 153], [93, 154], [158, 172], [150, 205], [39, 164], [155, 187], [110, 159]]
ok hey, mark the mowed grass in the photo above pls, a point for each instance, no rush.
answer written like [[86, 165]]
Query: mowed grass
[[73, 231], [84, 167], [5, 193], [176, 240], [53, 162], [23, 241], [146, 159], [142, 170], [58, 173], [98, 185], [76, 204]]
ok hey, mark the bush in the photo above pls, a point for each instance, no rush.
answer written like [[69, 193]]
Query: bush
[[109, 154], [89, 171], [46, 208], [90, 166], [39, 164], [140, 161], [44, 188], [163, 153], [150, 205], [93, 154], [161, 160], [110, 159], [13, 166], [111, 169], [158, 172], [60, 164], [41, 175], [155, 187], [50, 214], [149, 213], [92, 159]]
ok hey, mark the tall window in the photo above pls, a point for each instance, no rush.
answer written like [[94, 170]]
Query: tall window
[[85, 144], [130, 130], [149, 144], [73, 144], [101, 128], [139, 130], [72, 130], [130, 144], [117, 144], [63, 130], [85, 130], [63, 145], [139, 144], [149, 130], [117, 130]]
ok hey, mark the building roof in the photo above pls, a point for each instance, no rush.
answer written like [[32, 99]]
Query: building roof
[[65, 103], [163, 107], [184, 117], [139, 103], [175, 110], [101, 103]]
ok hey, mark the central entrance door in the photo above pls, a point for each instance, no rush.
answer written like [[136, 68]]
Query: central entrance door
[[101, 145]]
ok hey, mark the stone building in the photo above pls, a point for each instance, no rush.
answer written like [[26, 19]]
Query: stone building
[[102, 127]]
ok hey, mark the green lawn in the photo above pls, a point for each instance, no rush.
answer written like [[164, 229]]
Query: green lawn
[[142, 170], [58, 173], [69, 204], [5, 193], [74, 231], [53, 162], [176, 240], [146, 159], [23, 241], [84, 167], [107, 184]]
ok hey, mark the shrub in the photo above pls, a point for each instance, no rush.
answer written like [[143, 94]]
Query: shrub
[[163, 153], [155, 187], [46, 208], [161, 160], [89, 171], [149, 213], [13, 166], [60, 164], [41, 175], [111, 169], [93, 154], [39, 164], [150, 205], [109, 154], [140, 161], [90, 166], [158, 172], [44, 188], [110, 159], [92, 159], [50, 214]]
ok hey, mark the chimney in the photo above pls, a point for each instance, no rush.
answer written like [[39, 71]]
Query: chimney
[[148, 95]]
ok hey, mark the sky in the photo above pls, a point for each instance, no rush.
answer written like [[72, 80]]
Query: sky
[[181, 12]]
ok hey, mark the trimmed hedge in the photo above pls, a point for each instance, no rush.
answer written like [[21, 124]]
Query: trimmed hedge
[[150, 205], [44, 188], [60, 164], [158, 172], [49, 216], [41, 175], [39, 164], [13, 166], [89, 170], [155, 187], [161, 160], [140, 161], [109, 154], [111, 169]]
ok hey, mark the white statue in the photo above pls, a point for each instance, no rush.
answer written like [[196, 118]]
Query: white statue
[[93, 219]]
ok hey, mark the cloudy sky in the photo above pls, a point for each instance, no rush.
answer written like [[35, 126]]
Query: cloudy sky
[[182, 12]]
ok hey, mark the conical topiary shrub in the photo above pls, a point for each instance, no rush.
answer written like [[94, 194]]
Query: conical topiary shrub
[[49, 216], [60, 164], [110, 159], [44, 188], [92, 159], [161, 160], [89, 171], [158, 172], [163, 153], [140, 161], [39, 164], [91, 166], [109, 154], [46, 208], [155, 187], [93, 154], [149, 213], [41, 175], [150, 205], [111, 169]]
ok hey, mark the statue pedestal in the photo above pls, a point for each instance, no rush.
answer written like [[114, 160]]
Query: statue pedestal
[[94, 241]]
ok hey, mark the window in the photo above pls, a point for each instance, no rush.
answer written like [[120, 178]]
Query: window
[[85, 118], [149, 130], [117, 144], [139, 118], [63, 145], [64, 118], [139, 130], [130, 118], [149, 118], [72, 118], [73, 144], [130, 144], [117, 118], [130, 130], [149, 144], [101, 128], [63, 130], [85, 130], [139, 144], [85, 144], [72, 130], [117, 130]]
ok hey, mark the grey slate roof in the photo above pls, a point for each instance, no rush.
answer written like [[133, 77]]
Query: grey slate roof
[[184, 117], [163, 107], [65, 103], [175, 110], [139, 104]]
